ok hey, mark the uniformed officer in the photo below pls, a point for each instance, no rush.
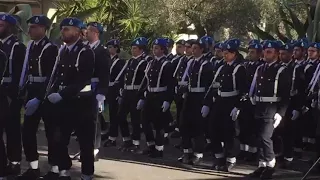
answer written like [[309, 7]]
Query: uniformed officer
[[181, 84], [37, 68], [71, 99], [270, 91], [133, 75], [84, 34], [170, 44], [290, 126], [311, 70], [3, 154], [227, 90], [145, 54], [156, 94], [100, 80], [217, 59], [247, 122], [200, 73], [209, 44], [11, 103], [115, 83], [299, 51]]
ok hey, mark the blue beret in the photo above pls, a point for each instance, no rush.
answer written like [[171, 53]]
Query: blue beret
[[161, 42], [206, 40], [256, 46], [75, 22], [96, 25], [84, 26], [8, 18], [113, 42], [315, 45], [170, 42], [181, 41], [271, 44], [40, 20], [140, 41], [287, 47], [219, 46], [231, 46], [236, 41], [254, 41], [292, 41]]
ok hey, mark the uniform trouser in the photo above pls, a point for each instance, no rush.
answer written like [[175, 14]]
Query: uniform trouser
[[264, 115], [192, 122], [247, 125], [310, 124], [76, 114], [152, 114], [29, 134], [223, 128], [10, 110], [97, 131], [113, 111], [179, 105], [3, 154], [129, 105]]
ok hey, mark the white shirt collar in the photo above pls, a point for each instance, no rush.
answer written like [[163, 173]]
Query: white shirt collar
[[112, 56], [312, 61], [37, 42], [231, 62], [72, 45], [5, 39], [299, 61], [136, 57], [158, 58], [270, 64], [94, 44], [198, 58]]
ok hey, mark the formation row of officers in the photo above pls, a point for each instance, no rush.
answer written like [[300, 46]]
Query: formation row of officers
[[220, 97]]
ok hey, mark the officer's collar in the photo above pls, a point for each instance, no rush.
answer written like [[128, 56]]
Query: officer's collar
[[207, 54], [287, 64], [5, 39], [198, 58], [94, 44], [37, 42], [137, 57], [231, 62], [270, 64], [114, 56], [299, 61], [312, 61], [70, 47], [85, 42], [170, 55], [159, 58]]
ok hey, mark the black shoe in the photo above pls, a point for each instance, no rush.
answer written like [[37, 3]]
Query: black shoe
[[219, 164], [166, 141], [13, 169], [267, 173], [135, 149], [156, 154], [126, 146], [110, 143], [175, 134], [50, 176], [64, 178], [228, 167], [286, 164], [196, 160], [30, 174], [257, 173], [149, 150], [186, 158]]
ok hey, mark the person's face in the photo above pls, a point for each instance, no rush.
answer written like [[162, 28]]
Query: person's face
[[253, 55], [197, 51], [297, 53], [218, 53], [112, 50], [69, 34], [313, 53], [188, 49], [270, 54], [136, 51], [92, 33], [157, 51], [3, 29], [285, 56], [84, 34], [36, 31], [229, 56], [180, 49]]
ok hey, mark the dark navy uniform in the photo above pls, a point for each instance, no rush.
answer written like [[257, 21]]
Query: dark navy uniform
[[11, 103], [200, 76], [40, 62], [270, 91], [157, 92]]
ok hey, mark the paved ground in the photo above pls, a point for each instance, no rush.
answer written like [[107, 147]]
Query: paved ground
[[116, 165]]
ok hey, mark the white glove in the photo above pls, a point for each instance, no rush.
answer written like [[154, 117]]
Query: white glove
[[32, 106], [176, 90], [205, 111], [119, 99], [54, 98], [234, 113], [253, 101], [305, 109], [313, 103], [165, 106], [140, 104], [277, 119], [101, 106], [184, 95], [213, 99], [295, 114], [100, 97]]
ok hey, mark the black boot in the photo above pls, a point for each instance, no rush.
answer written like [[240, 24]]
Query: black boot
[[13, 169], [257, 173], [30, 174], [50, 176], [219, 164], [267, 173], [149, 150], [186, 158], [125, 147], [110, 143]]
